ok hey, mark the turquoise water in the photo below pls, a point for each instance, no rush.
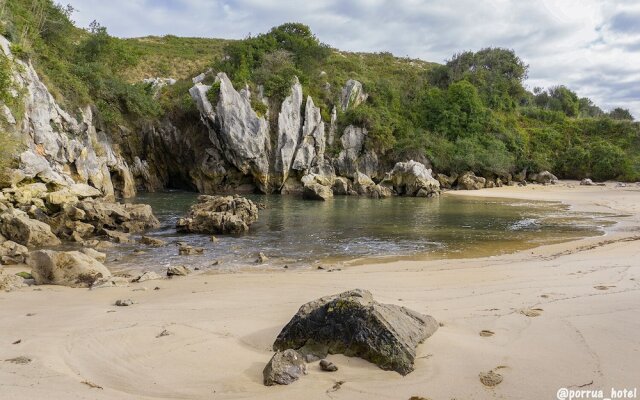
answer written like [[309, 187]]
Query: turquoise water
[[295, 232]]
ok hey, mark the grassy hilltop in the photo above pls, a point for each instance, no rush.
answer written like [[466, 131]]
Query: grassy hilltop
[[472, 113]]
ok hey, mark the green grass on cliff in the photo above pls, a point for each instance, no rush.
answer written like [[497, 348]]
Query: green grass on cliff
[[472, 113]]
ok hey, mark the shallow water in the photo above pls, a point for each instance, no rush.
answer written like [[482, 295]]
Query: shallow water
[[295, 232]]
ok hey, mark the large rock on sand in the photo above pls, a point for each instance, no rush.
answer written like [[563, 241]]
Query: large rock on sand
[[469, 181], [18, 227], [219, 214], [544, 177], [71, 268], [353, 324]]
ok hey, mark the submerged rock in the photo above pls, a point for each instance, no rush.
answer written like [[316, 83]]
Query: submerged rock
[[71, 268], [353, 324], [284, 368], [414, 179], [219, 214]]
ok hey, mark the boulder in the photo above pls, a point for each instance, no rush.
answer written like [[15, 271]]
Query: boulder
[[341, 186], [544, 177], [115, 216], [118, 237], [61, 197], [70, 268], [101, 257], [219, 214], [469, 181], [353, 324], [12, 253], [9, 282], [410, 178], [379, 192], [284, 368], [16, 225], [147, 276], [587, 182], [316, 191], [82, 190], [186, 250], [178, 270]]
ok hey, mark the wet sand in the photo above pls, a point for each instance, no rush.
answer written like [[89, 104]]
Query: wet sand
[[563, 315]]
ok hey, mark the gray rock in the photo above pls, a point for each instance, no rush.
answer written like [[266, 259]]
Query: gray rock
[[242, 135], [587, 182], [219, 214], [289, 125], [328, 366], [313, 143], [152, 241], [71, 268], [352, 95], [101, 257], [284, 368], [341, 186], [352, 141], [178, 270], [544, 177], [16, 225], [412, 179], [353, 324], [12, 253], [147, 276], [316, 191]]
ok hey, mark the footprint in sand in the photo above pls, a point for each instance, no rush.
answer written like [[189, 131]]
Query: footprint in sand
[[19, 360], [486, 333], [531, 312], [603, 287], [490, 378]]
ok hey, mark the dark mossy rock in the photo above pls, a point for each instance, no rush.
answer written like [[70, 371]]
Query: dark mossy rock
[[353, 324]]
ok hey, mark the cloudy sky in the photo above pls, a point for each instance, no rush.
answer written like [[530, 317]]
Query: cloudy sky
[[592, 46]]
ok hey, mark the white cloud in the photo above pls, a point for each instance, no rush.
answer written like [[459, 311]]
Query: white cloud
[[592, 46]]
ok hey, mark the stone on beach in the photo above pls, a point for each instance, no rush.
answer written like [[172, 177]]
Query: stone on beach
[[353, 324], [284, 368], [71, 268]]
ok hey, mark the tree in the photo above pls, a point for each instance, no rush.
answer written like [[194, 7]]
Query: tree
[[621, 114]]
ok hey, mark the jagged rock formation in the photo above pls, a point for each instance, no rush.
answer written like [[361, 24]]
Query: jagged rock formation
[[313, 143], [352, 95], [59, 149], [353, 324], [289, 125]]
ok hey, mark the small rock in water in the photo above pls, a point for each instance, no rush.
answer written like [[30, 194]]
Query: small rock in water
[[214, 239], [186, 250], [285, 367], [124, 303], [262, 258], [178, 270], [153, 242], [490, 378], [328, 366]]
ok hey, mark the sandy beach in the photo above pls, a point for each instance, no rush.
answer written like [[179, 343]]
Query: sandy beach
[[585, 293]]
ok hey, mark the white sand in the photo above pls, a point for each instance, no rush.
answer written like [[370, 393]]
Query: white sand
[[222, 325]]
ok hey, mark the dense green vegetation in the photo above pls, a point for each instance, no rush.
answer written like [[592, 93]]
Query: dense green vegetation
[[472, 113]]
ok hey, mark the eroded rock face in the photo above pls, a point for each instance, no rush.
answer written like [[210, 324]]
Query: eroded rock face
[[352, 141], [469, 181], [56, 143], [243, 136], [289, 125], [16, 225], [219, 214], [284, 368], [413, 178], [313, 143], [353, 324], [72, 268], [352, 95]]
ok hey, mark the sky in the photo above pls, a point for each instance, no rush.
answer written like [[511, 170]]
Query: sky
[[591, 46]]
